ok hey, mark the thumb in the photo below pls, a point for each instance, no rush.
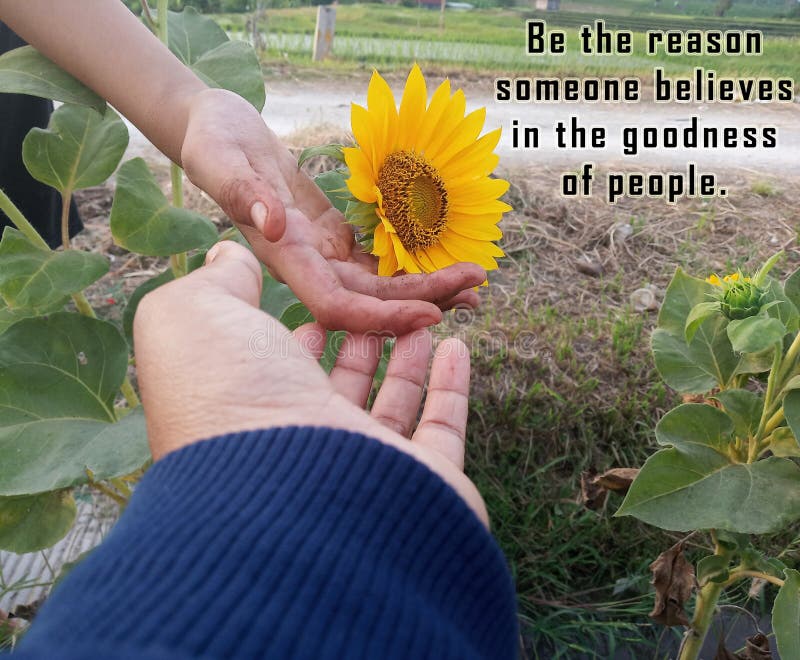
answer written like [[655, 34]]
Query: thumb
[[233, 269], [248, 200]]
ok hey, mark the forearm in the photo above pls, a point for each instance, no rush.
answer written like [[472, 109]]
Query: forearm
[[287, 543], [104, 45]]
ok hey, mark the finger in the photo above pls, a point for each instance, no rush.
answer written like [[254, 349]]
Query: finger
[[232, 268], [444, 418], [246, 197], [397, 402], [468, 299], [436, 287], [315, 283], [311, 337], [355, 367]]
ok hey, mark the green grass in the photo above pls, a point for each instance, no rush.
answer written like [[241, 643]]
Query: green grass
[[494, 39]]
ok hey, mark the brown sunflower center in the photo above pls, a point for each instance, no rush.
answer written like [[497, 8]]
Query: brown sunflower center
[[414, 199]]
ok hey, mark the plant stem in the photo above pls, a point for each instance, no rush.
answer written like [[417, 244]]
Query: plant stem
[[109, 492], [774, 421], [791, 356], [161, 7], [129, 393], [739, 574], [176, 176], [83, 305], [20, 222], [66, 197], [774, 377], [148, 17], [704, 609]]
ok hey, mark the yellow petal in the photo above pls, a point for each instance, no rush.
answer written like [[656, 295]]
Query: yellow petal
[[361, 182], [387, 265], [412, 108], [381, 243], [463, 249], [424, 261], [439, 256], [362, 189], [383, 118], [362, 132], [477, 230], [466, 131], [470, 157], [476, 191], [482, 208], [430, 119], [452, 116]]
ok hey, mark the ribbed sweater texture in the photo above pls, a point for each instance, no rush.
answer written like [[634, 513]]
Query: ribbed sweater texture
[[286, 543]]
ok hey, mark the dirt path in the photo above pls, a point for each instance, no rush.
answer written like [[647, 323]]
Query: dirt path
[[299, 104]]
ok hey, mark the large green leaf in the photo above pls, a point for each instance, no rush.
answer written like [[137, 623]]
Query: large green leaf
[[59, 376], [695, 485], [755, 334], [744, 408], [79, 148], [203, 46], [786, 616], [681, 296], [778, 305], [707, 362], [9, 317], [791, 288], [37, 280], [783, 443], [26, 71], [791, 410], [143, 221], [233, 65], [35, 522], [191, 34], [332, 183], [698, 488]]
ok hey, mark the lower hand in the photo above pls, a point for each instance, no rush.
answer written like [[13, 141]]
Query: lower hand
[[210, 362], [230, 153]]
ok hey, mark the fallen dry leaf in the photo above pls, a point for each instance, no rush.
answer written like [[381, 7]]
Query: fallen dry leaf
[[595, 487], [674, 582]]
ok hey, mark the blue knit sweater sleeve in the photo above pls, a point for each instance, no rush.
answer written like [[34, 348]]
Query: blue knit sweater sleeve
[[286, 543]]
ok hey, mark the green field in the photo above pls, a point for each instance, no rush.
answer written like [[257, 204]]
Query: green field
[[493, 40]]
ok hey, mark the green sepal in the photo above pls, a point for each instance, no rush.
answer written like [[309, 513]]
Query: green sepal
[[330, 150]]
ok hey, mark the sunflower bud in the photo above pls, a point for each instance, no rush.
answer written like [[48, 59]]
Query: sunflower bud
[[739, 297]]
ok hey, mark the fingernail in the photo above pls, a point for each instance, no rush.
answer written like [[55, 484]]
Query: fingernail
[[258, 214], [212, 253]]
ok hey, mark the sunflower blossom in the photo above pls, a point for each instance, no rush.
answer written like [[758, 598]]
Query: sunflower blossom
[[420, 175]]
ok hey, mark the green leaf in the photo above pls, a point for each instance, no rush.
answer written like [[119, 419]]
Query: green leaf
[[744, 408], [333, 184], [777, 305], [755, 334], [791, 288], [59, 376], [783, 443], [700, 312], [191, 34], [761, 275], [32, 523], [143, 221], [329, 150], [681, 296], [296, 315], [713, 568], [793, 384], [786, 616], [699, 488], [9, 317], [276, 297], [37, 280], [26, 71], [203, 46], [695, 485], [330, 353], [706, 363], [234, 66], [79, 148], [791, 410], [696, 424]]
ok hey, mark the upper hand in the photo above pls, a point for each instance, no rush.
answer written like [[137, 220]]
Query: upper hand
[[210, 362], [230, 153]]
